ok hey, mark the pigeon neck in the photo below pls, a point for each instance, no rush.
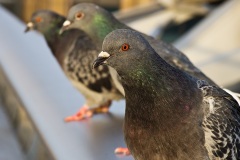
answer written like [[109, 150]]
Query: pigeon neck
[[52, 39], [105, 25], [160, 91], [51, 32]]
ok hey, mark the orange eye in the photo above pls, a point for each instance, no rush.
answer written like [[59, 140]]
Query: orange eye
[[38, 19], [125, 47], [79, 15]]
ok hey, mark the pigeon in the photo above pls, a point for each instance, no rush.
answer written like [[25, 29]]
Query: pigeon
[[169, 114], [98, 22], [75, 52]]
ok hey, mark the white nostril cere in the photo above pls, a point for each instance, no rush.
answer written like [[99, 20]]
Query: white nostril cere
[[29, 24], [104, 55], [66, 23]]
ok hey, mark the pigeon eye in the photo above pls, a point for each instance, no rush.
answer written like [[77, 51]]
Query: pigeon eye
[[38, 19], [125, 47], [79, 15]]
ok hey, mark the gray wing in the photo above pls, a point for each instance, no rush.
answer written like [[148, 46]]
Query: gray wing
[[221, 123], [176, 58]]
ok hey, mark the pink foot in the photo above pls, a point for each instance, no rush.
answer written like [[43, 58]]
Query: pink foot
[[122, 151], [85, 112]]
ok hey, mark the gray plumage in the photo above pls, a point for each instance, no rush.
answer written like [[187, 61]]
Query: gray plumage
[[75, 52], [170, 114]]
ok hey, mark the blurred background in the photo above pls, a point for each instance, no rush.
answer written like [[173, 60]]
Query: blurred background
[[36, 96], [188, 12]]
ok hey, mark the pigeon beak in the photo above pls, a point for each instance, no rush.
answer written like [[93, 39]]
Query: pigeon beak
[[65, 26], [102, 57], [29, 27]]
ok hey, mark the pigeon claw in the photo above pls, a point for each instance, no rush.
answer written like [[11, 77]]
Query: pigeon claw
[[122, 151], [85, 112], [82, 114]]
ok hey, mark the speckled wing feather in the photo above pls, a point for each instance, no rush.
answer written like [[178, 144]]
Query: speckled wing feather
[[95, 84], [221, 123], [79, 69]]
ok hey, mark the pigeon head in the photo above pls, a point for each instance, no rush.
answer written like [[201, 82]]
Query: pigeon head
[[45, 22], [121, 47], [92, 19]]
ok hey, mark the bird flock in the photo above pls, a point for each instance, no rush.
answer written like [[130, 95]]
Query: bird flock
[[173, 110]]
